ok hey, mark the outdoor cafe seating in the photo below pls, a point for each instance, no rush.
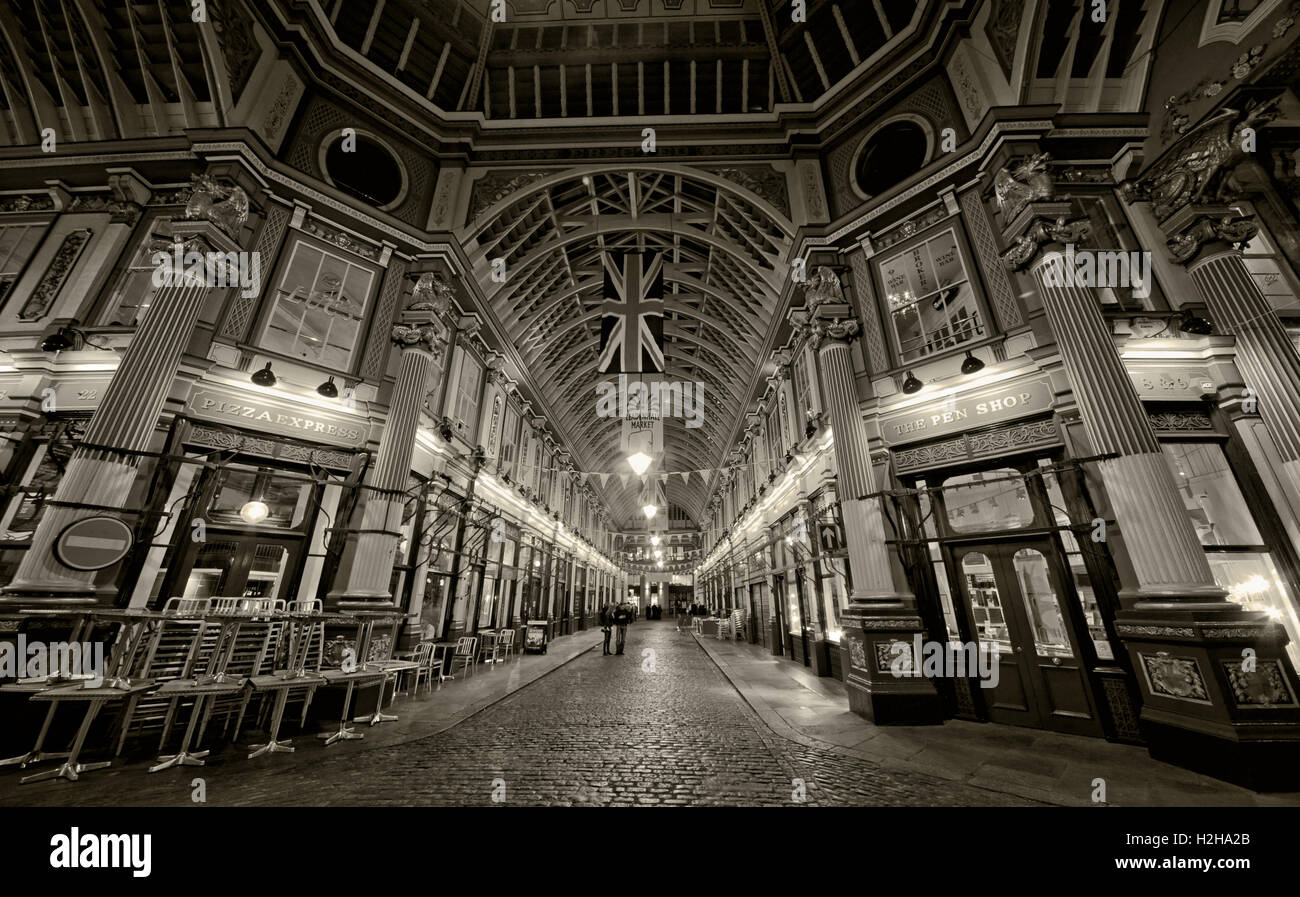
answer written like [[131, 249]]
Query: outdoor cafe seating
[[185, 680]]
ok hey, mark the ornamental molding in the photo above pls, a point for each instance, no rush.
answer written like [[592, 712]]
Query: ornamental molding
[[995, 135], [1174, 421], [1024, 181], [1199, 167], [873, 624], [56, 275], [1185, 246], [214, 437], [1129, 629], [1039, 234]]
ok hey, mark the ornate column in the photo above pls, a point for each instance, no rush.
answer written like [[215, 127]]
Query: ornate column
[[1212, 676], [880, 614], [1205, 240], [419, 336], [1168, 560], [102, 471]]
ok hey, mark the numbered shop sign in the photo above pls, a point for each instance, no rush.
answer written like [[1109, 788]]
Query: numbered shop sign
[[93, 543]]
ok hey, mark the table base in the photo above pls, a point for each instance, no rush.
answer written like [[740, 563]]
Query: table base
[[32, 757], [375, 717], [271, 747], [345, 733], [184, 758], [68, 771]]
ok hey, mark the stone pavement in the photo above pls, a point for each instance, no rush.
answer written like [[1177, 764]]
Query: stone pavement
[[659, 725], [1031, 763]]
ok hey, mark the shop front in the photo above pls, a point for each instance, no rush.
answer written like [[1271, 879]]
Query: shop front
[[994, 527]]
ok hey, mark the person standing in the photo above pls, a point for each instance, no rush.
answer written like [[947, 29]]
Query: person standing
[[622, 616], [606, 624]]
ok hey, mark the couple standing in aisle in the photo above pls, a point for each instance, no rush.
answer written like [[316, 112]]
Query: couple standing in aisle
[[615, 616]]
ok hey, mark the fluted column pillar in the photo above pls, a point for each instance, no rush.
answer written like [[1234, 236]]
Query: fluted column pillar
[[1167, 558], [881, 614], [101, 472], [1205, 667], [419, 337], [1204, 240]]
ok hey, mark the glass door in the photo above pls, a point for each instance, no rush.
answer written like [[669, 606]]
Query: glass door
[[1015, 593], [243, 567]]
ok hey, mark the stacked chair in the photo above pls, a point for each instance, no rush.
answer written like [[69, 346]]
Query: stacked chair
[[300, 637], [217, 684]]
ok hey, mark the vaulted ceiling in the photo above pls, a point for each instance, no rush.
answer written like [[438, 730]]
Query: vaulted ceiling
[[577, 58], [725, 261]]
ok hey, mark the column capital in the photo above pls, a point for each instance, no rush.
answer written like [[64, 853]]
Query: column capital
[[1039, 231], [1193, 230], [834, 330]]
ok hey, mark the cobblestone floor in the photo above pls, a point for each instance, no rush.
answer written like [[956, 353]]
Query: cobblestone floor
[[659, 725]]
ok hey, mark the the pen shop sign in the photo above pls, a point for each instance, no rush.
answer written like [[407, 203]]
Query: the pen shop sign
[[272, 416], [955, 414]]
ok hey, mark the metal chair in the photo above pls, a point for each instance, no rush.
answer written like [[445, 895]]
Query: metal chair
[[301, 637], [506, 643], [427, 665], [466, 649]]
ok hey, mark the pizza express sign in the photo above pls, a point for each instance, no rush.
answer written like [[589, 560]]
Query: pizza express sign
[[284, 418], [967, 412]]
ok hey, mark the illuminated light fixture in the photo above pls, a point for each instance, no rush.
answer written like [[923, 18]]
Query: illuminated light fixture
[[640, 463], [971, 365], [659, 563], [328, 389], [254, 511], [264, 377], [911, 385], [1194, 324], [649, 511], [654, 540], [658, 553]]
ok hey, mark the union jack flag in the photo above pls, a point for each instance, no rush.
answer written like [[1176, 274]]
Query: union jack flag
[[632, 318]]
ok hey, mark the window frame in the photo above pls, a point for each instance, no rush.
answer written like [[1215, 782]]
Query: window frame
[[267, 304], [985, 330]]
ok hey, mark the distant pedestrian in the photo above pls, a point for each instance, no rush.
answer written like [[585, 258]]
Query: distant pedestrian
[[606, 624], [622, 616]]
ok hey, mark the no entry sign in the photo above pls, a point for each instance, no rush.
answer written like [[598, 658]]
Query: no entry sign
[[93, 543]]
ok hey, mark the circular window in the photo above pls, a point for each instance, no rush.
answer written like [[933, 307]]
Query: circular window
[[891, 155], [363, 167]]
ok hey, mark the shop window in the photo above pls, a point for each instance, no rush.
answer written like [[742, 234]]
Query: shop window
[[987, 502], [1042, 604], [1080, 579], [986, 601], [1234, 547], [931, 303], [319, 307], [135, 288], [509, 443], [17, 243], [804, 401], [286, 498], [1267, 269], [467, 389]]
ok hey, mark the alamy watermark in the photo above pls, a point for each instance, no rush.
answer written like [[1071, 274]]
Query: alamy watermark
[[22, 659], [1090, 268], [934, 660], [656, 399]]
